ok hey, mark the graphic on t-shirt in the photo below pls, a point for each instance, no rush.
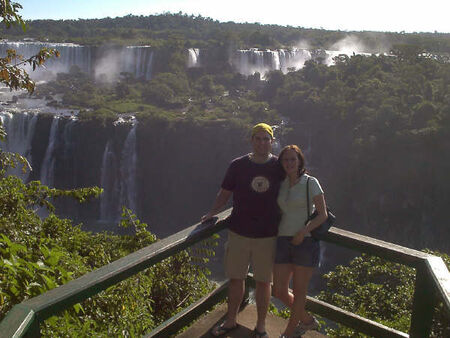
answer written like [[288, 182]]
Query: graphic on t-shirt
[[260, 184]]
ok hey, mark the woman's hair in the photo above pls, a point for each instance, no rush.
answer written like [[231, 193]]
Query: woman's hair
[[301, 157]]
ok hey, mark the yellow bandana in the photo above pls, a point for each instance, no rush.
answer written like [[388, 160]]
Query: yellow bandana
[[262, 127]]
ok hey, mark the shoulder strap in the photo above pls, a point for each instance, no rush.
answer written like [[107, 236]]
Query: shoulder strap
[[307, 196]]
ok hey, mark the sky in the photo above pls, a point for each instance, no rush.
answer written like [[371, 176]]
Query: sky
[[345, 15]]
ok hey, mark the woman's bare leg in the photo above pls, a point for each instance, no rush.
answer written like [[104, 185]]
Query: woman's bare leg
[[302, 276], [282, 274]]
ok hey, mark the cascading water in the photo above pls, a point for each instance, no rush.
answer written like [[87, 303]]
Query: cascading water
[[137, 60], [48, 164], [68, 152], [250, 61], [20, 129], [293, 59], [108, 206], [128, 169], [70, 54], [193, 57]]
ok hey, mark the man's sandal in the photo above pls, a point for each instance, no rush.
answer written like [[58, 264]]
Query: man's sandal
[[260, 334], [220, 330]]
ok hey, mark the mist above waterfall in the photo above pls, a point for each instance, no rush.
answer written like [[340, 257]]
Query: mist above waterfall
[[349, 45], [106, 67]]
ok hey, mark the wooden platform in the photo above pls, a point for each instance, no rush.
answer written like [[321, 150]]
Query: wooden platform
[[246, 320]]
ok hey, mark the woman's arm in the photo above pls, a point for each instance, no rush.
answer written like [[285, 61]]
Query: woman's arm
[[322, 215]]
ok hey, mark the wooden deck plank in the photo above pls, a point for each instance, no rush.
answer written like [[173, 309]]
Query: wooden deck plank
[[246, 320]]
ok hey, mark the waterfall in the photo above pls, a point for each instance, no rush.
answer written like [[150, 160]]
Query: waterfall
[[193, 55], [68, 160], [20, 129], [70, 54], [67, 137], [48, 164], [108, 206], [295, 59], [250, 61], [128, 169], [137, 60]]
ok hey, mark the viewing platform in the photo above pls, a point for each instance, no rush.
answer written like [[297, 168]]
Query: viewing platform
[[432, 288], [246, 322]]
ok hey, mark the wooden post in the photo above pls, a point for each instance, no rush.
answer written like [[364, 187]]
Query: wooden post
[[424, 303]]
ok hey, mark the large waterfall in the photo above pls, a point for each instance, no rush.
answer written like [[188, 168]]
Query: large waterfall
[[108, 62], [65, 161]]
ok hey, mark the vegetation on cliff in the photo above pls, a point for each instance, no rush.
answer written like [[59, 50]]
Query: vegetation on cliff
[[381, 291]]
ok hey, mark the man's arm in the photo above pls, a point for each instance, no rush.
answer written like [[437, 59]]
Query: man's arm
[[221, 200]]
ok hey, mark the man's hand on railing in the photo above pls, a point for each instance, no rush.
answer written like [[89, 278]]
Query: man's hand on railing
[[209, 218]]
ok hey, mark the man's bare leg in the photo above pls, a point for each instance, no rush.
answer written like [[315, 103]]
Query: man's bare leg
[[262, 304], [235, 295]]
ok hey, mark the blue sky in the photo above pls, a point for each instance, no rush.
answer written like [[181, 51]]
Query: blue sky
[[347, 15]]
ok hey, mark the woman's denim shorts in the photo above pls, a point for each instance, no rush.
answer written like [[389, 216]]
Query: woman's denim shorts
[[306, 253]]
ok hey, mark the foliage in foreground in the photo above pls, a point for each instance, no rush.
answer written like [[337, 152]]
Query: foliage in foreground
[[378, 290], [38, 254]]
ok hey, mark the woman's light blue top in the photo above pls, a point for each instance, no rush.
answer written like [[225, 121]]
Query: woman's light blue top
[[292, 202]]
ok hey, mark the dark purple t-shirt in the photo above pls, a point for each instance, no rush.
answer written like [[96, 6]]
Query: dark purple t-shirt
[[255, 189]]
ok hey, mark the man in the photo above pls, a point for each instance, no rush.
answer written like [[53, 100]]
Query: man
[[253, 180]]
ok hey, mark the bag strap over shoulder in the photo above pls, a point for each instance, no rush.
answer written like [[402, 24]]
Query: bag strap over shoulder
[[307, 198]]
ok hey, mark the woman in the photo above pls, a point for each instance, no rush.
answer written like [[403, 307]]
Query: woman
[[297, 252]]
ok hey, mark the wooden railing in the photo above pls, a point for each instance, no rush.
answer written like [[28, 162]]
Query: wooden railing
[[432, 285]]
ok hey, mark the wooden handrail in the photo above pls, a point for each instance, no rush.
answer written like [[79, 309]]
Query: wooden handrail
[[431, 276]]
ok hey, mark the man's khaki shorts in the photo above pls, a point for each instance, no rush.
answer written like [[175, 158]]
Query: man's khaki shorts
[[240, 251]]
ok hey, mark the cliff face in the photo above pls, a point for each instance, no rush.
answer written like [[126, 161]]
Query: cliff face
[[181, 167]]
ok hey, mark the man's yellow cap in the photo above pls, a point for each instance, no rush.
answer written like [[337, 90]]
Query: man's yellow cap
[[262, 127]]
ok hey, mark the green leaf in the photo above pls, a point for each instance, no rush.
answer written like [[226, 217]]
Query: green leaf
[[49, 282]]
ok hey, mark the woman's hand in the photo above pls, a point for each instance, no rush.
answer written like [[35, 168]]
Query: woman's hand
[[298, 238]]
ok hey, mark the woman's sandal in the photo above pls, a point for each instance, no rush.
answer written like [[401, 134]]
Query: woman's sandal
[[260, 334], [220, 330]]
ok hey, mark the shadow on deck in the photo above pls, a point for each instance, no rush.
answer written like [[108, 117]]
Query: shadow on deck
[[246, 319]]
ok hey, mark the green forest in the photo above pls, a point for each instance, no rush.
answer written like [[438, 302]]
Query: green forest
[[201, 32], [382, 130]]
